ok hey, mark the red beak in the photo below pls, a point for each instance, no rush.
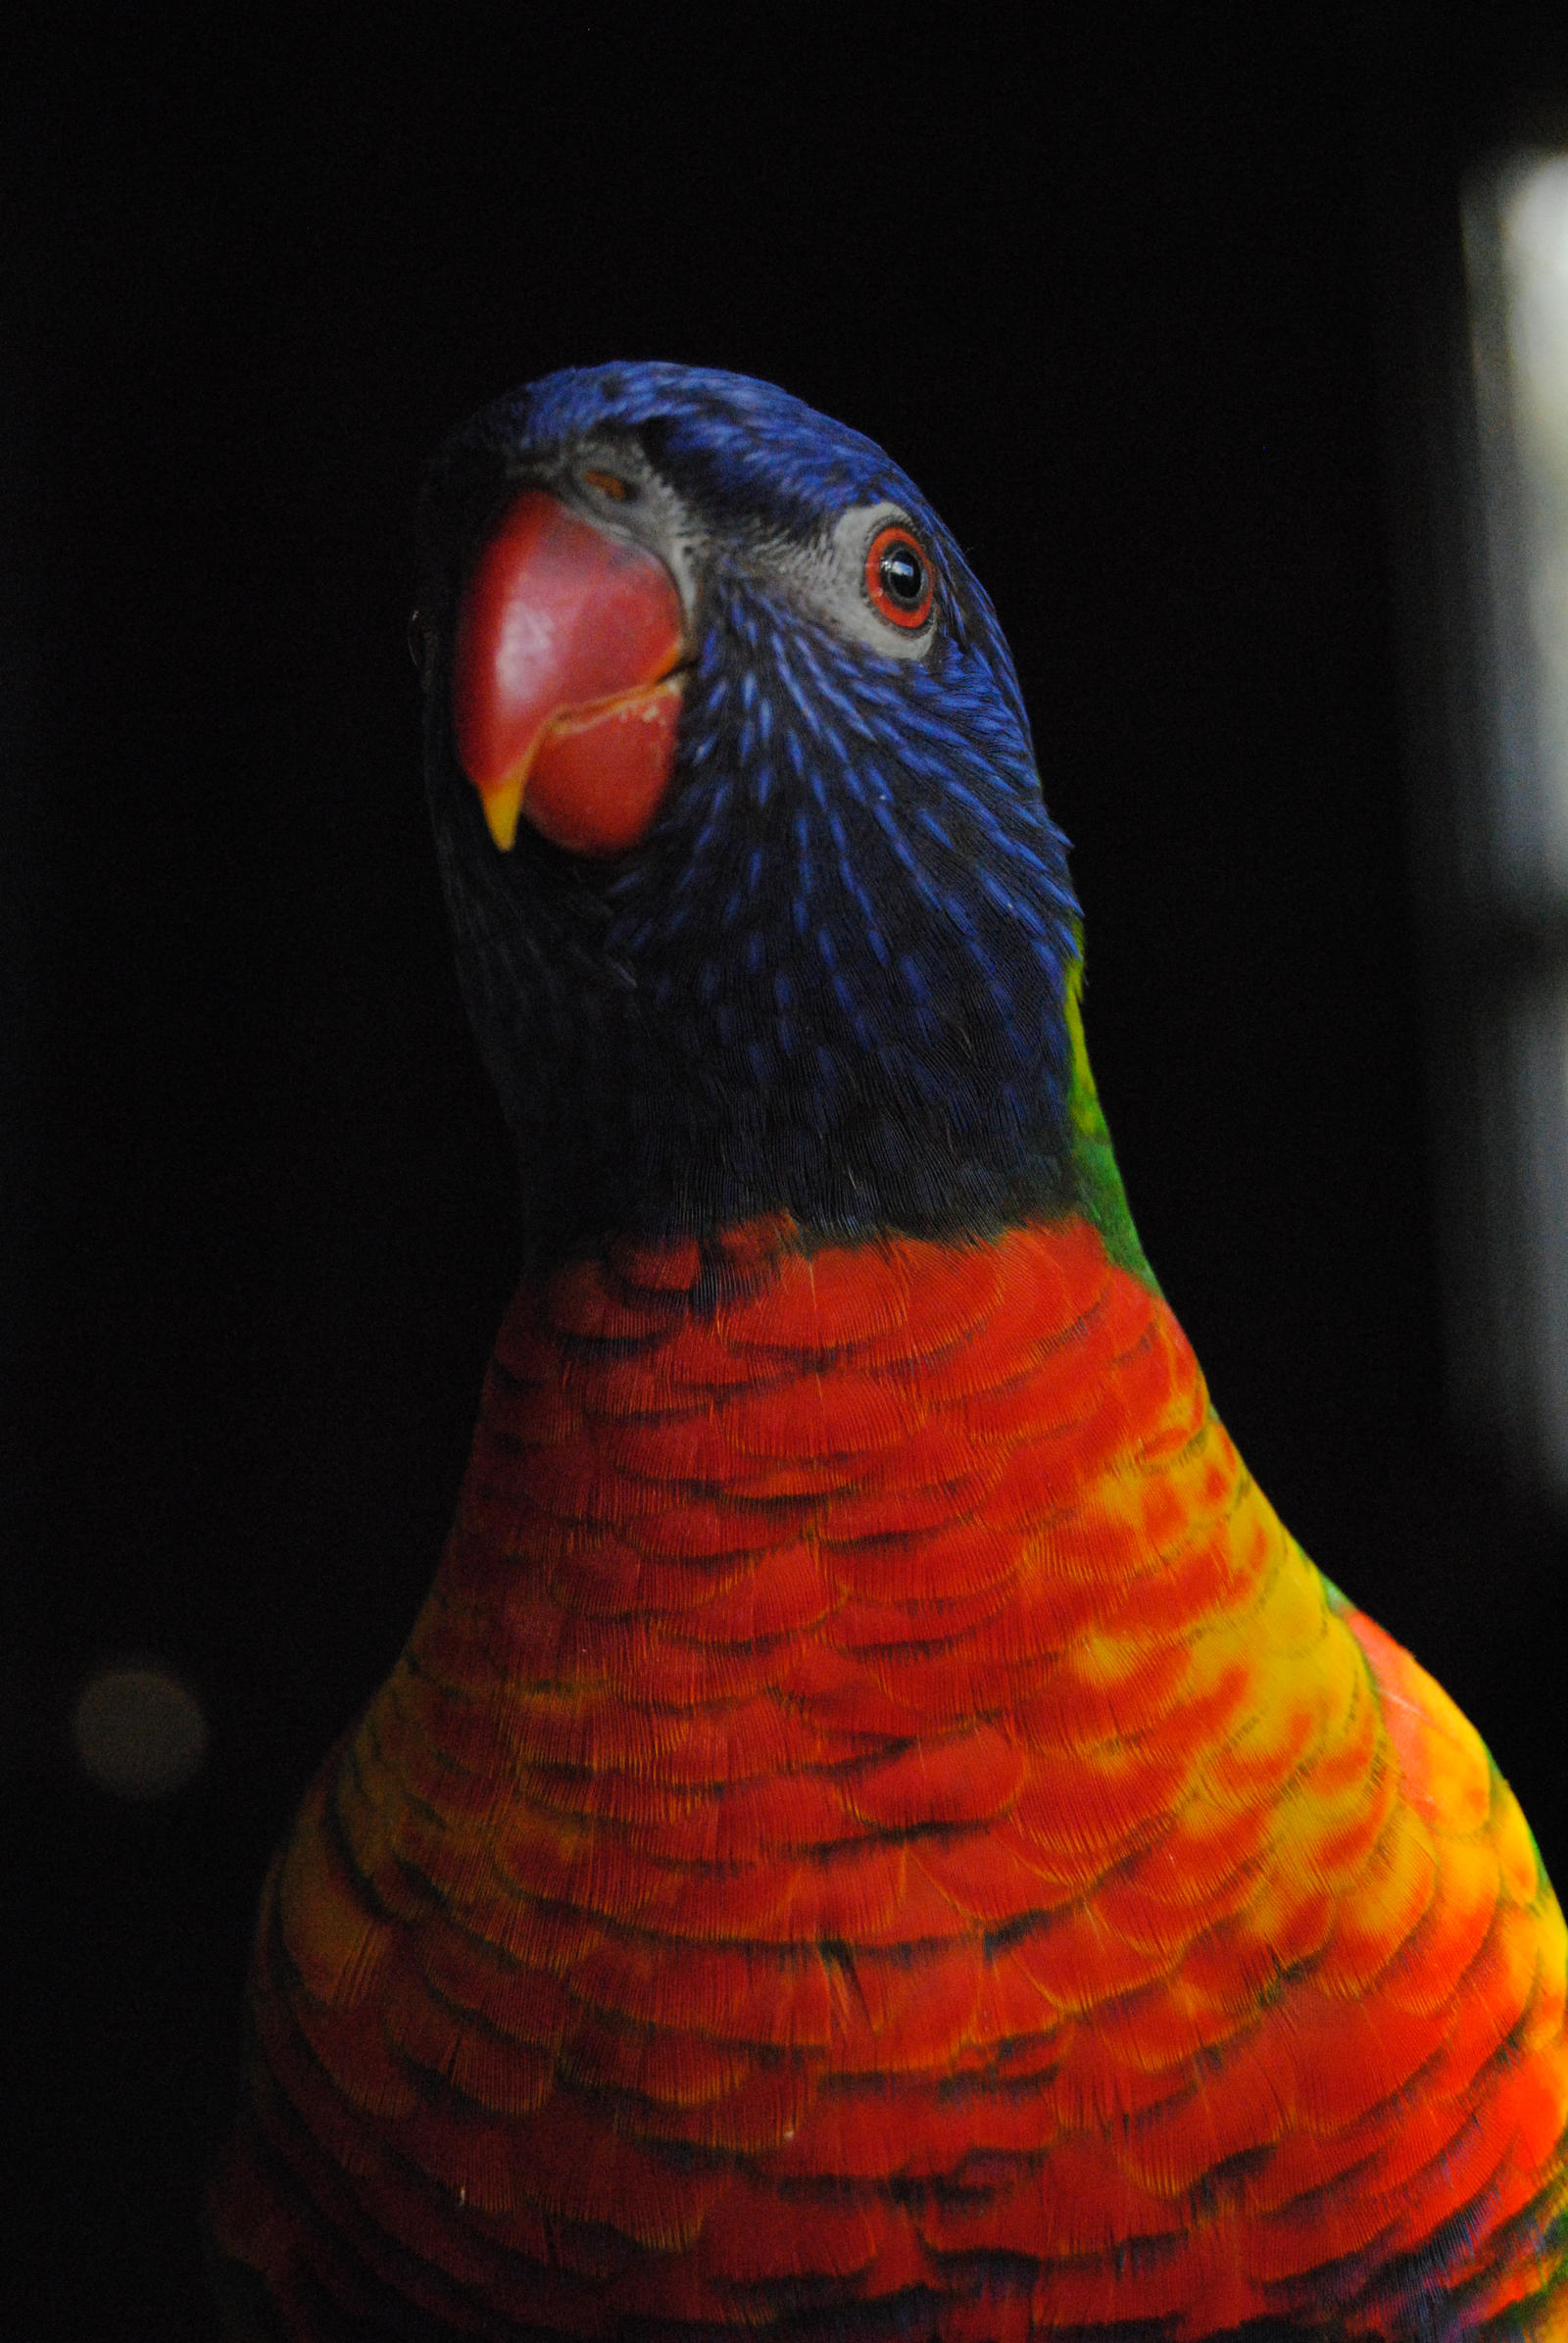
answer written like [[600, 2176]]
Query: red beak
[[563, 699]]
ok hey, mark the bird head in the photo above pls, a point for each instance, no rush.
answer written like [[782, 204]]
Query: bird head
[[756, 903]]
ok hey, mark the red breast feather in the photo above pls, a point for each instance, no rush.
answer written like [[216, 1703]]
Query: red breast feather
[[877, 1810]]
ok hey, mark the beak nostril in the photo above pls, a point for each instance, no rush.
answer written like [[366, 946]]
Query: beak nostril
[[610, 484]]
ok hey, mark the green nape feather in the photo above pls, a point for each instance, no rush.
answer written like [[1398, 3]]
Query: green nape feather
[[1098, 1191]]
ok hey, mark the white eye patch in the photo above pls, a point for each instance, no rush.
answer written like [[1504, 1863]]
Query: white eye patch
[[832, 578]]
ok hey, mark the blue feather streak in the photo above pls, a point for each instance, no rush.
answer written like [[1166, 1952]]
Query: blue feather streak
[[962, 918], [998, 892], [713, 821], [849, 1002], [905, 853], [837, 699]]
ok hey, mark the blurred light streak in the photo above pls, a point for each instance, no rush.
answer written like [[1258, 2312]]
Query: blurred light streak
[[1505, 1096]]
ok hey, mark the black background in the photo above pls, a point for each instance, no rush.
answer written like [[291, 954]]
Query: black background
[[1135, 305]]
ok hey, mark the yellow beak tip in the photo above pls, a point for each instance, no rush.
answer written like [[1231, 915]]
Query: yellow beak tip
[[501, 809]]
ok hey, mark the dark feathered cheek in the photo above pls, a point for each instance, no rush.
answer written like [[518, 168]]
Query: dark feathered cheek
[[565, 700]]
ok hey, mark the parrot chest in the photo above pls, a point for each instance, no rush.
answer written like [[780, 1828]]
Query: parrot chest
[[875, 1794]]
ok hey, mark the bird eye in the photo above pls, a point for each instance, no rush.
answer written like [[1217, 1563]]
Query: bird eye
[[898, 577], [610, 484]]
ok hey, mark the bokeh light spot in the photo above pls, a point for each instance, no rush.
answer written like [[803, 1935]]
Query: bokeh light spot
[[138, 1732]]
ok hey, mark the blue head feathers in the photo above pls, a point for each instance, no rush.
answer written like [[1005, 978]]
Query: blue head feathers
[[831, 978]]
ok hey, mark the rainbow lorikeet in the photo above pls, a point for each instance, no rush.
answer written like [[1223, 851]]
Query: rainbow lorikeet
[[878, 1831]]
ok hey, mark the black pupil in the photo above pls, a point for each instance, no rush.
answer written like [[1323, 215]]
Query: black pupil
[[902, 575]]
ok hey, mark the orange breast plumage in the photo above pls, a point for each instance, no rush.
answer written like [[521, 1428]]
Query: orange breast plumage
[[879, 1831]]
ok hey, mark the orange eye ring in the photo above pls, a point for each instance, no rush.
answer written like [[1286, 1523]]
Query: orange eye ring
[[899, 577], [899, 580]]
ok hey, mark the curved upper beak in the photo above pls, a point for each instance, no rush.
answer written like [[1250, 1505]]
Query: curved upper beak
[[563, 701]]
